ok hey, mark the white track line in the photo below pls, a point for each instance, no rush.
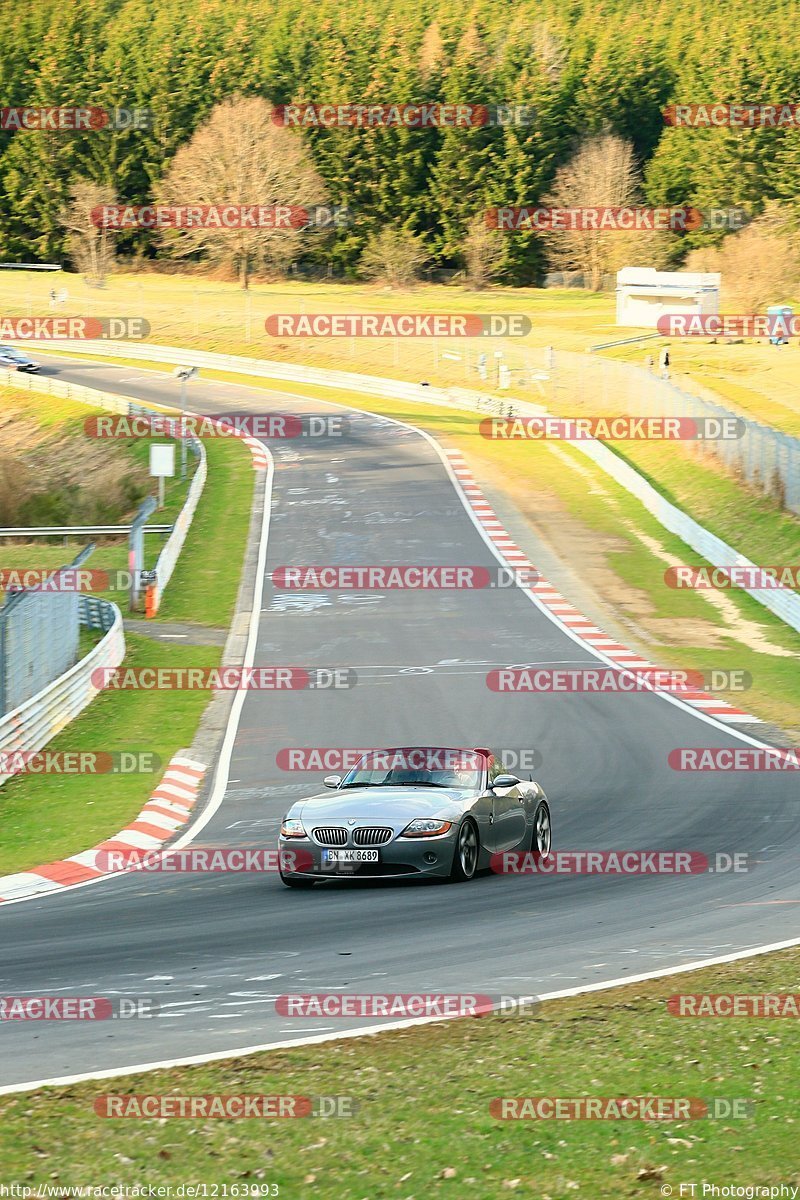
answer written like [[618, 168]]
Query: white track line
[[222, 771]]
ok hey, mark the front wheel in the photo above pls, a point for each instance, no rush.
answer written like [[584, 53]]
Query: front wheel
[[542, 832], [465, 857]]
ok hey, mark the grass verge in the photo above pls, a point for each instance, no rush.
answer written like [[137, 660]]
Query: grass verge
[[63, 420], [423, 1126], [755, 378], [205, 582], [624, 551]]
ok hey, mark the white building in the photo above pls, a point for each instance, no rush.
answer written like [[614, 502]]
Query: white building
[[645, 294]]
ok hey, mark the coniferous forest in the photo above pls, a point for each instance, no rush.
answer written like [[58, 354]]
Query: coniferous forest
[[585, 66]]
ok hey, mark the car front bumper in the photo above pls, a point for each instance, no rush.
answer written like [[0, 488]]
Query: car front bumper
[[401, 858]]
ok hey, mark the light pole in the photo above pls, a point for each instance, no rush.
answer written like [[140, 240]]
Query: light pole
[[184, 373]]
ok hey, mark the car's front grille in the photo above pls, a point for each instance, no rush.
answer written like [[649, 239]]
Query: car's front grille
[[330, 835], [372, 835]]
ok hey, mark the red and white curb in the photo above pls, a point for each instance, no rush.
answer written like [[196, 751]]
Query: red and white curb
[[565, 613], [258, 452], [165, 812], [256, 448]]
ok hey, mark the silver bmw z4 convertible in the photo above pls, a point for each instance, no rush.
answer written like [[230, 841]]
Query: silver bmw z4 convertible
[[413, 811]]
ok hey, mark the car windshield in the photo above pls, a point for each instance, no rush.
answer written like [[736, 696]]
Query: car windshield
[[10, 352], [417, 766]]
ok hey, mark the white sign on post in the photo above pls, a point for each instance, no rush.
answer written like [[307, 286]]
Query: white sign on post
[[162, 458], [162, 464]]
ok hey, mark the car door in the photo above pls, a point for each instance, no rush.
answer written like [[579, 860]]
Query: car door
[[508, 809]]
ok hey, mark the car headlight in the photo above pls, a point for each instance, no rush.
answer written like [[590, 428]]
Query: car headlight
[[426, 827], [292, 827]]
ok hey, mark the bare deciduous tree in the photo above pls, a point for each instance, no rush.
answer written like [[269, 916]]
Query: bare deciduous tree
[[549, 50], [760, 265], [393, 256], [91, 248], [603, 173], [241, 157], [431, 54], [483, 253]]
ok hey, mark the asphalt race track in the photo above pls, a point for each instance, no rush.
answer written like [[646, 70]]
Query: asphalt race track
[[215, 950]]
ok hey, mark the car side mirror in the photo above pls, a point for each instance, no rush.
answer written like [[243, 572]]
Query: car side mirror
[[504, 781], [332, 781]]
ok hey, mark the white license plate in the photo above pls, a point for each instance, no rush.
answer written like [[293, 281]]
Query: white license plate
[[350, 856]]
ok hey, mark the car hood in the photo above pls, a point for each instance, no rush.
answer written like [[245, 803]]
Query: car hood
[[392, 805]]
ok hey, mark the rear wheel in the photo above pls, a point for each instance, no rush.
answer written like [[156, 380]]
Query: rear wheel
[[465, 858]]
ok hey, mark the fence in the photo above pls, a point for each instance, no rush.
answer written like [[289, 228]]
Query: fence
[[578, 279], [39, 634], [766, 459], [784, 603], [31, 725]]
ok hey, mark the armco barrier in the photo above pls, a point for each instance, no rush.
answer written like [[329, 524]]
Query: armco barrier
[[171, 549], [780, 601], [34, 723], [67, 391], [783, 603]]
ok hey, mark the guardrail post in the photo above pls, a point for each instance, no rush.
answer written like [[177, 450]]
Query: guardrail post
[[136, 548]]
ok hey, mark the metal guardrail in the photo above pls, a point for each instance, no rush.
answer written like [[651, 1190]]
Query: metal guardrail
[[783, 603], [31, 726], [23, 381], [170, 551], [641, 337], [44, 531], [95, 613], [764, 458]]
